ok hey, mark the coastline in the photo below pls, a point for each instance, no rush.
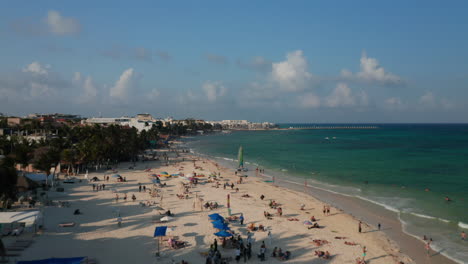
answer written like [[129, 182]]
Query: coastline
[[365, 210]]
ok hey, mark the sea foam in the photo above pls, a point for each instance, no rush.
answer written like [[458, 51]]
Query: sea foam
[[463, 225]]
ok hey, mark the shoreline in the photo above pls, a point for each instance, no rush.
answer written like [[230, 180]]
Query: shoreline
[[368, 212], [96, 226]]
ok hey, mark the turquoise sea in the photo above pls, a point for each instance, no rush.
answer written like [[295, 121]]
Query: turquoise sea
[[391, 166]]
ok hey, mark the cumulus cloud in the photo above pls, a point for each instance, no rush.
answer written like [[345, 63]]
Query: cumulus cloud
[[60, 25], [291, 74], [371, 71], [36, 68], [427, 99], [153, 94], [394, 103], [143, 54], [87, 89], [309, 100], [341, 96], [164, 55], [122, 86], [218, 59], [257, 63], [213, 90]]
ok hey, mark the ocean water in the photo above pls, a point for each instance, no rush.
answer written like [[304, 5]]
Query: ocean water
[[391, 166]]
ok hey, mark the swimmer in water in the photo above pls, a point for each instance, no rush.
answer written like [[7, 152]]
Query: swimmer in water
[[447, 199]]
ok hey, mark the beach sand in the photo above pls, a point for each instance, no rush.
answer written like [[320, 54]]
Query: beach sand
[[97, 235]]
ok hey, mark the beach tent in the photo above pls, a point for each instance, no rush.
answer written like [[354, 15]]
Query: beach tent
[[38, 177], [29, 219], [223, 233], [77, 260]]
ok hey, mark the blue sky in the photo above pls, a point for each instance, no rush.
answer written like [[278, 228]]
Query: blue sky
[[297, 61]]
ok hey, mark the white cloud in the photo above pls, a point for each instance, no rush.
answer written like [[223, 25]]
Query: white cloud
[[309, 100], [341, 96], [153, 94], [143, 54], [257, 63], [125, 82], [214, 90], [291, 74], [60, 25], [371, 71], [218, 59], [39, 89], [76, 77], [427, 99], [87, 90], [36, 68], [394, 103]]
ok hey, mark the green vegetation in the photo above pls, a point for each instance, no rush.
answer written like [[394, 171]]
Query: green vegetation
[[80, 147]]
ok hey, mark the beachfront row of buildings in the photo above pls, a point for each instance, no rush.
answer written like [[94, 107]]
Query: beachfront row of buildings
[[140, 122], [146, 121]]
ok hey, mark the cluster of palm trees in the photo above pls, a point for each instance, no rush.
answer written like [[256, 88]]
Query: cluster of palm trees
[[82, 147]]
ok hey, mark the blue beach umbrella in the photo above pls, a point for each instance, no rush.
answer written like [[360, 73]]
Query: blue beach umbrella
[[216, 217], [223, 233], [116, 176], [164, 172], [221, 226]]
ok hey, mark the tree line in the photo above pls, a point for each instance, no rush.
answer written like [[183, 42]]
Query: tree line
[[80, 147]]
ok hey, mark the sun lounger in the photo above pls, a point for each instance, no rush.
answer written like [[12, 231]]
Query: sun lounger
[[67, 224]]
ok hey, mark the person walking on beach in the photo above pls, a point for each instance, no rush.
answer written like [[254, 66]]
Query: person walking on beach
[[428, 248], [215, 244], [125, 197], [360, 227], [379, 226], [144, 188], [270, 238], [364, 253], [241, 219], [139, 187], [463, 235], [116, 197], [119, 221], [133, 197]]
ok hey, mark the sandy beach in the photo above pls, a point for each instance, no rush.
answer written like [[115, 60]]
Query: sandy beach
[[98, 236]]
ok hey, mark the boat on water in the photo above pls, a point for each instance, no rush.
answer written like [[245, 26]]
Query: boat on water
[[240, 158]]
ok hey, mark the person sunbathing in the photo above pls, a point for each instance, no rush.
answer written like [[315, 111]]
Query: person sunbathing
[[312, 219], [261, 228], [350, 243], [337, 237], [267, 214], [360, 261], [286, 255], [319, 253], [246, 195], [293, 219], [251, 227], [327, 255], [316, 225]]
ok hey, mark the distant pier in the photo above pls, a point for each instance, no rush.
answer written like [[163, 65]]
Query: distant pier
[[332, 127]]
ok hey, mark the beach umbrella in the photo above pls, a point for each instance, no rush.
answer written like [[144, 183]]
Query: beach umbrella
[[159, 231], [218, 222], [215, 217], [308, 223], [166, 219], [116, 176], [221, 226], [223, 233], [164, 172]]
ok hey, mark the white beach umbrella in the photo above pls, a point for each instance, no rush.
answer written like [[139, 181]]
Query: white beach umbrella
[[166, 219]]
